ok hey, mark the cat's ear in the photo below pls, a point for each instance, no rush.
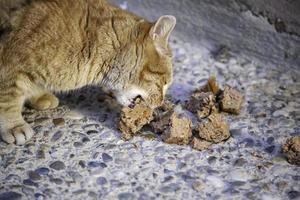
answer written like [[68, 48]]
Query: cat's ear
[[161, 31]]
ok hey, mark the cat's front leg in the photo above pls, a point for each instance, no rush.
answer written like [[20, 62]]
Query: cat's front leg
[[13, 128]]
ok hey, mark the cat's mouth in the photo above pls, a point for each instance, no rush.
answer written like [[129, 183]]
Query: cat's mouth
[[134, 100]]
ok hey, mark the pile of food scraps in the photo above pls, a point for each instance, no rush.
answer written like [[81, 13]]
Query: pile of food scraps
[[207, 103]]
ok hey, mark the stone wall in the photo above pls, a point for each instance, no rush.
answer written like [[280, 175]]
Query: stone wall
[[262, 30]]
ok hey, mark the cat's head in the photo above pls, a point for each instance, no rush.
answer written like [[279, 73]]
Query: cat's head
[[148, 63]]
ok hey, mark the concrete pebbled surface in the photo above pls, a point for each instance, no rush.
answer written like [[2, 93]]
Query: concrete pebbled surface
[[77, 151]]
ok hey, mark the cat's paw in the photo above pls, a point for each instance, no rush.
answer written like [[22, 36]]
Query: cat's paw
[[18, 135], [47, 101]]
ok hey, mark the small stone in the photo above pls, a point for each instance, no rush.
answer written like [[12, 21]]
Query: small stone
[[59, 122], [85, 139], [173, 187], [212, 160], [39, 196], [215, 129], [249, 142], [292, 150], [200, 144], [240, 174], [160, 160], [10, 196], [126, 196], [231, 100], [40, 154], [43, 121], [93, 164], [57, 165], [30, 183], [237, 183], [33, 175], [270, 149], [167, 179], [215, 181], [101, 181], [293, 194], [296, 178], [42, 171], [57, 181], [80, 191], [82, 163], [106, 157], [198, 186], [240, 162], [90, 132], [281, 185], [77, 144], [280, 26], [236, 132], [56, 136], [270, 140], [92, 194]]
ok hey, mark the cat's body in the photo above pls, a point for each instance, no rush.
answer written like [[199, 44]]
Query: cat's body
[[62, 45]]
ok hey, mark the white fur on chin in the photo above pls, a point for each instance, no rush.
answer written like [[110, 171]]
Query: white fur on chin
[[125, 97]]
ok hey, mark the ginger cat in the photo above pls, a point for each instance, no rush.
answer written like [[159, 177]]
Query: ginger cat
[[62, 45]]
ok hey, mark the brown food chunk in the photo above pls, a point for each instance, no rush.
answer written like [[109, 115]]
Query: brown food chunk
[[292, 150], [211, 86], [231, 100], [215, 129], [202, 103], [165, 107], [200, 144], [162, 122], [133, 119], [175, 130]]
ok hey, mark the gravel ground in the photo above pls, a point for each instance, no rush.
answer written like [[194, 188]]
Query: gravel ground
[[77, 152]]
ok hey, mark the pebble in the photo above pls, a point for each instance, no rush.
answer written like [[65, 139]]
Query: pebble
[[10, 196], [30, 183], [212, 160], [82, 163], [94, 164], [57, 165], [126, 196], [56, 136], [198, 186], [249, 142], [59, 122], [57, 181], [173, 187], [236, 132], [293, 194], [240, 162], [106, 158], [270, 149], [215, 181], [101, 181], [42, 171], [33, 175], [239, 175]]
